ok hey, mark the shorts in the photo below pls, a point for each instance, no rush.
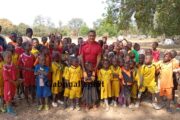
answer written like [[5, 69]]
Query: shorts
[[66, 92], [115, 85], [151, 89], [167, 92], [75, 92]]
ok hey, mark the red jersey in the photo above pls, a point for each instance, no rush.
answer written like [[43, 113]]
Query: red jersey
[[9, 73], [27, 64], [156, 55], [19, 50], [90, 51]]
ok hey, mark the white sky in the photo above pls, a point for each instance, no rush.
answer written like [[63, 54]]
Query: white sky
[[26, 10]]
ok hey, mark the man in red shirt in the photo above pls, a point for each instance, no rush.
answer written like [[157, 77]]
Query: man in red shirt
[[91, 50]]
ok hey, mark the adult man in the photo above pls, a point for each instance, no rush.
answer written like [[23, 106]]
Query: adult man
[[91, 50], [29, 34]]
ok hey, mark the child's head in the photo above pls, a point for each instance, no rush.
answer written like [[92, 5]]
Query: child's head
[[127, 58], [10, 48], [173, 53], [52, 37], [127, 66], [115, 61], [88, 66], [35, 42], [29, 32], [148, 52], [44, 39], [19, 41], [111, 47], [75, 61], [27, 46], [106, 63], [56, 56], [148, 59], [80, 41], [141, 59], [13, 37], [42, 60], [167, 56], [154, 45], [120, 45], [136, 46], [7, 57]]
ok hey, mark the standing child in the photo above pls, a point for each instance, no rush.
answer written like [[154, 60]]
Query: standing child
[[127, 82], [105, 75], [147, 81], [57, 73], [18, 48], [9, 77], [26, 64], [166, 78], [155, 52], [115, 83], [44, 41], [1, 85], [75, 76], [135, 51], [89, 95], [42, 84]]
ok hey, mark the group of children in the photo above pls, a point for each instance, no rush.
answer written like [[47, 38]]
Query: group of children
[[51, 71]]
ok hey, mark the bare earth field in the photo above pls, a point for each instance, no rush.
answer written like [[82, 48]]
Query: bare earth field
[[145, 112]]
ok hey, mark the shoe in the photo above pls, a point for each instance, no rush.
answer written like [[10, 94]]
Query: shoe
[[137, 105], [46, 107], [169, 110], [11, 111], [107, 109], [40, 107], [124, 106], [70, 109], [112, 103], [2, 110], [77, 108], [115, 104], [60, 102], [131, 106], [156, 106], [54, 104]]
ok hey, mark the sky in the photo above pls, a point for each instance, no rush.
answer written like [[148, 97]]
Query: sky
[[25, 11]]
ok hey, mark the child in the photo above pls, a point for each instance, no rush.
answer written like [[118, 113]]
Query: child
[[18, 48], [1, 85], [34, 50], [115, 83], [26, 64], [74, 77], [57, 72], [13, 38], [105, 75], [135, 51], [42, 84], [44, 41], [166, 78], [9, 77], [89, 95], [127, 82], [155, 52], [147, 80]]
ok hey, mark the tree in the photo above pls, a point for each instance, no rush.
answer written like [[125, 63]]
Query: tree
[[83, 30], [75, 25], [21, 28], [7, 26]]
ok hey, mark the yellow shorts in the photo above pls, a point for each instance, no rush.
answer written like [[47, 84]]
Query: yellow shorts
[[56, 88], [134, 91], [75, 92], [66, 92], [105, 91], [151, 89], [115, 88]]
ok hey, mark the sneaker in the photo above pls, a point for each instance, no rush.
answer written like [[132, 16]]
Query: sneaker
[[156, 106], [11, 111], [2, 110], [46, 107], [60, 102], [77, 108], [70, 109], [40, 107], [54, 104], [131, 106], [107, 109], [137, 105], [124, 106], [169, 110]]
